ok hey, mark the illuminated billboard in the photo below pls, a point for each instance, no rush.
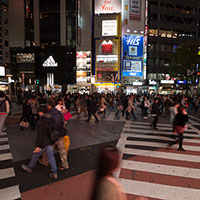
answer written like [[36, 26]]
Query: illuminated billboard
[[133, 45], [107, 6], [107, 60], [132, 64], [132, 68], [109, 28]]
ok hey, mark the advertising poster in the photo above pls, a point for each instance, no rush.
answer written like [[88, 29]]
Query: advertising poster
[[133, 46], [135, 9], [132, 68], [107, 60], [109, 28], [107, 6], [132, 64]]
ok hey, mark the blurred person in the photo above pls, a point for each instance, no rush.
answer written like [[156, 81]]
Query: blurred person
[[146, 107], [4, 110], [26, 112], [44, 142], [173, 112], [155, 112], [61, 106], [181, 120], [131, 108], [34, 113], [92, 109], [60, 127], [106, 186]]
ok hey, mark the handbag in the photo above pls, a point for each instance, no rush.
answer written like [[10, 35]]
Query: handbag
[[24, 124], [180, 129], [67, 116]]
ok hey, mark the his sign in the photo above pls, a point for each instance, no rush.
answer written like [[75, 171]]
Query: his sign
[[107, 6]]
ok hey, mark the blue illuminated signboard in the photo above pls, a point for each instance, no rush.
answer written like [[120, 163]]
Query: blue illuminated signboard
[[132, 55], [133, 46], [132, 68], [181, 82]]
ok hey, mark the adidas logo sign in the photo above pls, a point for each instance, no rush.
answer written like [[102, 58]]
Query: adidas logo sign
[[50, 62]]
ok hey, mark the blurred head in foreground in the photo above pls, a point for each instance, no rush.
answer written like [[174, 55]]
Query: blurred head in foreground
[[108, 161], [106, 186]]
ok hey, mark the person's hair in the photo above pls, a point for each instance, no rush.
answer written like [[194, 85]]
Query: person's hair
[[60, 100], [51, 103], [108, 162], [43, 108], [2, 94]]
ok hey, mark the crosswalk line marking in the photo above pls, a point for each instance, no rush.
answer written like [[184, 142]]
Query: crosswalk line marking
[[3, 134], [156, 132], [165, 155], [10, 193], [194, 122], [160, 128], [7, 173], [161, 169], [195, 118], [124, 135], [147, 123], [4, 139], [6, 156], [158, 191], [161, 145], [4, 147]]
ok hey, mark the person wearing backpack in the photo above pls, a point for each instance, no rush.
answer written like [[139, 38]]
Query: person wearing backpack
[[44, 142], [4, 109]]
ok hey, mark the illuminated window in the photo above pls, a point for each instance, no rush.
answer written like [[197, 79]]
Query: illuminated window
[[163, 33], [169, 34]]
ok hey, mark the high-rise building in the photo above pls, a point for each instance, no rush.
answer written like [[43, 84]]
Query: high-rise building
[[170, 24], [4, 44], [41, 31]]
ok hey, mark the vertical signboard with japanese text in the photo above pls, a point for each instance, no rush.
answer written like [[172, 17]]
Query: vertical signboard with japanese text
[[132, 55], [135, 9], [107, 6]]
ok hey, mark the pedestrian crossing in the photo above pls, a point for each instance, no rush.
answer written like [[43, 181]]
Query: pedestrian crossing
[[153, 170], [9, 189]]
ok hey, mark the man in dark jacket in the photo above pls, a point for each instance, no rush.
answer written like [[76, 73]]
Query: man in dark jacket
[[60, 127], [44, 143], [155, 111], [92, 108]]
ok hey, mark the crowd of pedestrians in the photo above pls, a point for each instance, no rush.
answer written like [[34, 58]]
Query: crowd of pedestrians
[[48, 115]]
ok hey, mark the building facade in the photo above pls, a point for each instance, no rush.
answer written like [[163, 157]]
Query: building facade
[[4, 46], [170, 24], [43, 49]]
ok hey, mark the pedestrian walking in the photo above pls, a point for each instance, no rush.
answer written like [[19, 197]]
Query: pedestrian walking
[[106, 186], [173, 112], [60, 128], [26, 112], [131, 108], [146, 107], [44, 143], [181, 120], [92, 109], [4, 110], [155, 112]]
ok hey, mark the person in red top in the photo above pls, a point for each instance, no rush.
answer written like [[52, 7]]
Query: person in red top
[[4, 109]]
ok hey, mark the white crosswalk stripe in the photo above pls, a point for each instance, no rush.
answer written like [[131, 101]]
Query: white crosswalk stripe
[[146, 151], [11, 191]]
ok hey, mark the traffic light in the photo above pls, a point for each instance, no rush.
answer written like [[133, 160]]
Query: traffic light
[[198, 73], [37, 81]]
